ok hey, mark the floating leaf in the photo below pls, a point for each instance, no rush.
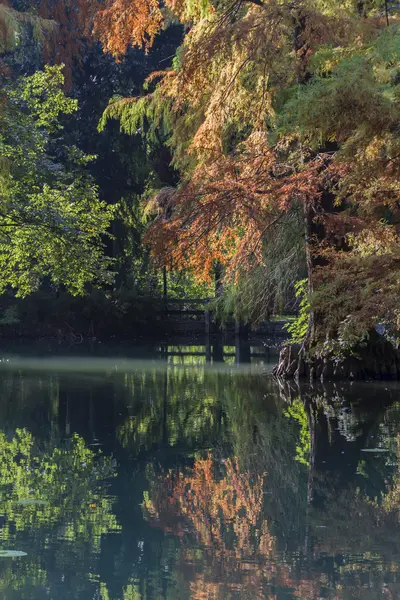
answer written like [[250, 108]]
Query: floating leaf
[[11, 553], [31, 502], [374, 450]]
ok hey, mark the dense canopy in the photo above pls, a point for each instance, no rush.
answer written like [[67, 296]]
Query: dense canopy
[[266, 148], [274, 111]]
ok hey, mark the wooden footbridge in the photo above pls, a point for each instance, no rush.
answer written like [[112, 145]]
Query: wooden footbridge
[[195, 316]]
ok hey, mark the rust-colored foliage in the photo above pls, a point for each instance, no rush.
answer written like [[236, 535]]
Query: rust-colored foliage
[[224, 208], [227, 548], [123, 22], [74, 21], [211, 507], [224, 514], [247, 155], [227, 208]]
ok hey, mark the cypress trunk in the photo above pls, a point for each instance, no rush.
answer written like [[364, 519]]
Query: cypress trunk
[[377, 358]]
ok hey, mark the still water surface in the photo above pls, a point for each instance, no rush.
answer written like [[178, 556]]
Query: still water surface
[[172, 479]]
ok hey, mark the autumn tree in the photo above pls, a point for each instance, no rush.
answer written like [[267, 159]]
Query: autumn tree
[[38, 32], [279, 113]]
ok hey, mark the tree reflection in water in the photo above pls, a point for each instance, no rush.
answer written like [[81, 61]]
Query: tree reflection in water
[[230, 520], [229, 487], [51, 491]]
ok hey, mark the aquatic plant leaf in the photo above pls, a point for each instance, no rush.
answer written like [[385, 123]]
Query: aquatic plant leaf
[[30, 502], [12, 553], [374, 450]]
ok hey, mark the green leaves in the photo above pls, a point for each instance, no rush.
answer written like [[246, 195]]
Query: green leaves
[[45, 99], [52, 223], [352, 94], [297, 411], [45, 484], [298, 327]]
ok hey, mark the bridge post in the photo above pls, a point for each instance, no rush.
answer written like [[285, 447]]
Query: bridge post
[[208, 349], [207, 319], [242, 350], [165, 290]]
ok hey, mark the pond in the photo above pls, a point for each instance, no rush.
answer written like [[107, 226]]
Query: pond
[[174, 477]]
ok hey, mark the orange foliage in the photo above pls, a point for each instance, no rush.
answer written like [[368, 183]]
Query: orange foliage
[[225, 516], [239, 556], [221, 507], [236, 63], [123, 22], [74, 19], [208, 507], [224, 209], [227, 208]]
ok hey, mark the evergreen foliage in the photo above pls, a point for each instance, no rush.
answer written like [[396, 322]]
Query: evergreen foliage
[[299, 327]]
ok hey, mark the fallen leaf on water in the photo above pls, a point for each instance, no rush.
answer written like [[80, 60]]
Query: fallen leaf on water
[[374, 450], [30, 502]]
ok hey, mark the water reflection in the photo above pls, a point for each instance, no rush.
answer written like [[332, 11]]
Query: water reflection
[[225, 539], [53, 506], [290, 532], [165, 481]]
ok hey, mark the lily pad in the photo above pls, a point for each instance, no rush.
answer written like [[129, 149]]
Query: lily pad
[[31, 502], [374, 450], [11, 553]]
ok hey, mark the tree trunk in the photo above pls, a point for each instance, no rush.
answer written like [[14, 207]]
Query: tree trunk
[[377, 358]]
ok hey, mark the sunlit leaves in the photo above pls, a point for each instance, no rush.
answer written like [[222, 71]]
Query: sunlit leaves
[[122, 22], [297, 411], [319, 80], [44, 97], [52, 221]]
